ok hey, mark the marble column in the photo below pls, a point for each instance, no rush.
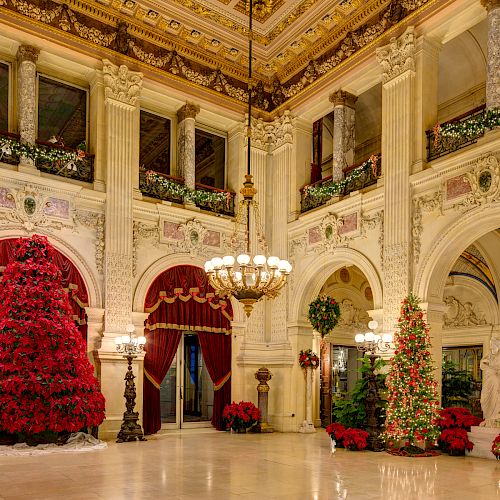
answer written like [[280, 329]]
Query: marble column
[[343, 132], [27, 57], [493, 56], [186, 147], [122, 89], [398, 78], [307, 426]]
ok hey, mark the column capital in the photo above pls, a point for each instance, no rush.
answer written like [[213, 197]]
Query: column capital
[[398, 56], [490, 4], [121, 84], [343, 98], [27, 53], [189, 110]]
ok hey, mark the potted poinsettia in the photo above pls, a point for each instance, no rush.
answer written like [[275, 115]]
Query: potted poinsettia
[[495, 447], [240, 416], [455, 441], [355, 439], [336, 432]]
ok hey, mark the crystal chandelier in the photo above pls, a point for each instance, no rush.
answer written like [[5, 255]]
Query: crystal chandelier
[[245, 278]]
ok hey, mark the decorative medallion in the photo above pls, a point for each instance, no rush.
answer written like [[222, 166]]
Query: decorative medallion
[[344, 275]]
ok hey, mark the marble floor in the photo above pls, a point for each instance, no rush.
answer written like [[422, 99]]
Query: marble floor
[[205, 464]]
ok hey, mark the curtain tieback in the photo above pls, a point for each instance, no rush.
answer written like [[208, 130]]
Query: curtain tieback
[[152, 379], [219, 384]]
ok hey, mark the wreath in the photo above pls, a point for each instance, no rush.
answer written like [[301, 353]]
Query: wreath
[[308, 359], [324, 314]]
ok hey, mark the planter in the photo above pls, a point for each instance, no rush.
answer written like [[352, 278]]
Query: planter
[[456, 453], [240, 431], [353, 448]]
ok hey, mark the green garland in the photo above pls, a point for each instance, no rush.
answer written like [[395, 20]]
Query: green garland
[[470, 127], [182, 191], [13, 147], [331, 188]]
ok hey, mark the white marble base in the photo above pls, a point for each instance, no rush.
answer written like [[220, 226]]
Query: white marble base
[[307, 427], [482, 437]]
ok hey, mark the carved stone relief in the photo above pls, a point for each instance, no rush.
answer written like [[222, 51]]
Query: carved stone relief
[[272, 135], [94, 221], [461, 314], [398, 56], [118, 297], [426, 203], [370, 223], [352, 317], [120, 83]]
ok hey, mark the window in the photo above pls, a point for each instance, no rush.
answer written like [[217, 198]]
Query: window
[[4, 97], [210, 159], [62, 114], [154, 143]]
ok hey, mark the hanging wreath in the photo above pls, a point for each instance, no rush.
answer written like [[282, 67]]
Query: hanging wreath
[[324, 314], [308, 359]]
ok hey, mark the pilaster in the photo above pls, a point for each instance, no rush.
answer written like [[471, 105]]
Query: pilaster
[[343, 131], [186, 132], [27, 57], [493, 54], [398, 64], [97, 133]]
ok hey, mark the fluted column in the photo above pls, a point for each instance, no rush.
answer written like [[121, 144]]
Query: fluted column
[[26, 100], [122, 88], [343, 131], [493, 69], [398, 78], [186, 160]]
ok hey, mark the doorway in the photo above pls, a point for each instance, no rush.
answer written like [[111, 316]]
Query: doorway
[[187, 391]]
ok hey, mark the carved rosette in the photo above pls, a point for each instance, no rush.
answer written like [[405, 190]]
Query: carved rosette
[[398, 56], [121, 84], [26, 92]]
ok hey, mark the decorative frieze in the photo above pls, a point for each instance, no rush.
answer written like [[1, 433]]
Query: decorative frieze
[[461, 314]]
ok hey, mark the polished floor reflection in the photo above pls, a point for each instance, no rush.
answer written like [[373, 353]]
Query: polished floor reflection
[[205, 464]]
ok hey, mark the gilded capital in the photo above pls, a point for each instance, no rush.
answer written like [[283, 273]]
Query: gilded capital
[[27, 53], [121, 84], [490, 4], [343, 98], [398, 56], [189, 110]]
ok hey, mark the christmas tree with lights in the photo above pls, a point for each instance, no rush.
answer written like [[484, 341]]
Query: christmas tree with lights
[[47, 384], [413, 408]]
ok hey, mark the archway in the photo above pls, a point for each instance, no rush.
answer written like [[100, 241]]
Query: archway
[[180, 301], [72, 281]]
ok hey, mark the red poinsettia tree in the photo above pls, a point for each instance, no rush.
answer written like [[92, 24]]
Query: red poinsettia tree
[[46, 380], [412, 413]]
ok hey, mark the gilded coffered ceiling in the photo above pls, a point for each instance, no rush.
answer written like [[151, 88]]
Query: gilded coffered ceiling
[[204, 42]]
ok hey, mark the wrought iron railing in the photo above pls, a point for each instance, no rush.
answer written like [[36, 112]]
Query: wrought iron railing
[[368, 177], [220, 206], [6, 154], [440, 144], [80, 168], [161, 186]]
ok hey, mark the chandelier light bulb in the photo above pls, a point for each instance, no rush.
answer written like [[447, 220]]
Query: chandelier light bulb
[[238, 276], [359, 338], [118, 341], [373, 325], [387, 338], [369, 337], [273, 262], [259, 260], [217, 262], [209, 267], [141, 340], [288, 268], [125, 339], [130, 328], [377, 338], [243, 259], [228, 260]]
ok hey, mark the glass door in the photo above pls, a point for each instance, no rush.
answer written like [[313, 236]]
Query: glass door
[[187, 392]]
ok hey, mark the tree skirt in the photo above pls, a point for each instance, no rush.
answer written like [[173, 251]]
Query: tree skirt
[[402, 452], [77, 442]]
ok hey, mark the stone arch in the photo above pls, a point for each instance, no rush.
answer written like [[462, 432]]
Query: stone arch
[[309, 284], [93, 290], [431, 276]]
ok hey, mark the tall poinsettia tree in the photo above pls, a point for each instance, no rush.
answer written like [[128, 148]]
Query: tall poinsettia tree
[[46, 380], [413, 408]]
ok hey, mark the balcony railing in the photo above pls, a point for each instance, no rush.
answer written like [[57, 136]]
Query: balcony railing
[[6, 154], [161, 186], [357, 176], [441, 143], [224, 205], [80, 167]]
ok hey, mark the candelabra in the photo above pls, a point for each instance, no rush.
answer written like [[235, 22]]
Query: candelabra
[[370, 344], [130, 346]]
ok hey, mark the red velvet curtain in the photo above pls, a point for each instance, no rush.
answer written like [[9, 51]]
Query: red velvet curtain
[[160, 348], [216, 350], [181, 299], [72, 281]]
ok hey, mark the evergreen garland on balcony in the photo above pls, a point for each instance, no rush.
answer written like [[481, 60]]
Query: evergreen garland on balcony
[[331, 188], [471, 127], [13, 147]]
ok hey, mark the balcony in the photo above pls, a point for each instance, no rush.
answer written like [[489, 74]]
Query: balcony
[[216, 200], [170, 188], [161, 186], [65, 162], [456, 134], [356, 177], [7, 155]]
